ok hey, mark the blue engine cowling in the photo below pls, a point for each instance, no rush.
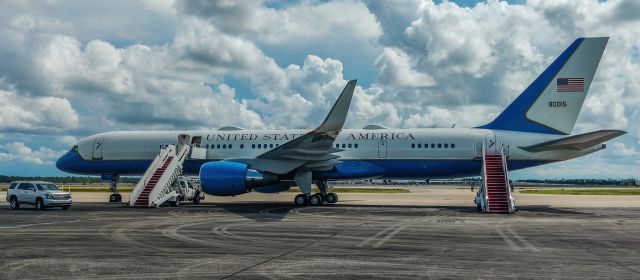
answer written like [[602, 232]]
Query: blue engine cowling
[[225, 178]]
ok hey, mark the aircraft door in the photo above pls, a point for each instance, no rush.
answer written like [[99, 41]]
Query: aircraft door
[[382, 148], [491, 144], [97, 148]]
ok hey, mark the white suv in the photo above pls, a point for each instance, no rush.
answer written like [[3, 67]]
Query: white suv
[[39, 194]]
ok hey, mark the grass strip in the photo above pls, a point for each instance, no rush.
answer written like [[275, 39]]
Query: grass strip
[[584, 191]]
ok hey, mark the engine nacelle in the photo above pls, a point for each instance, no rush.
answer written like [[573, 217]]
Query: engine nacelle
[[225, 178]]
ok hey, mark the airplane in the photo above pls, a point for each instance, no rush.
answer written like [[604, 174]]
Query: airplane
[[535, 129]]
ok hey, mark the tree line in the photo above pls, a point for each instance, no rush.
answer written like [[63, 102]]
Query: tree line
[[65, 180]]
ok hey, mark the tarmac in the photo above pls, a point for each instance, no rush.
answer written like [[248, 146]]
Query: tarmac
[[427, 234]]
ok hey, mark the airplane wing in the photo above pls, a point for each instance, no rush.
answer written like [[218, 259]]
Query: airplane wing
[[312, 151], [576, 142]]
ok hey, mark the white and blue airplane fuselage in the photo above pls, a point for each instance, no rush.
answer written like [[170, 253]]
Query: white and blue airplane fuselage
[[534, 129], [419, 153]]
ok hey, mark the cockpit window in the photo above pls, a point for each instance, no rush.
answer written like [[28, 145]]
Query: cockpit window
[[74, 148]]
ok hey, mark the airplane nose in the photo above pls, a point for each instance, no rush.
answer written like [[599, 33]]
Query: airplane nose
[[61, 162], [66, 161]]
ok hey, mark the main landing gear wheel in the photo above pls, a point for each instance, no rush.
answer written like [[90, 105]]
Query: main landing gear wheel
[[115, 197], [331, 198], [315, 200], [175, 203], [301, 199]]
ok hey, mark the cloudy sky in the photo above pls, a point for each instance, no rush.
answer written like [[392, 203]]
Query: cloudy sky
[[72, 68]]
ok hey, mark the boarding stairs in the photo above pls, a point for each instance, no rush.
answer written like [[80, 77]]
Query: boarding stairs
[[495, 191], [155, 186]]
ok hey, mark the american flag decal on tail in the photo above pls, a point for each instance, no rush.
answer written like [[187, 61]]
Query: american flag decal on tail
[[570, 84]]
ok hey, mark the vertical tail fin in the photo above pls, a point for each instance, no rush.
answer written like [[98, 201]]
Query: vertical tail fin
[[552, 102]]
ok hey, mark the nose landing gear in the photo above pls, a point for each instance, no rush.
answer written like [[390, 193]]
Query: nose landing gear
[[113, 187]]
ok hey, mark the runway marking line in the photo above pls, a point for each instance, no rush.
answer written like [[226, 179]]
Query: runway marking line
[[515, 235], [522, 240], [49, 223], [508, 240], [392, 231]]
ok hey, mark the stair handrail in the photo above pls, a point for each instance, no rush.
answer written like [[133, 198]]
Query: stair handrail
[[485, 191], [510, 200], [173, 170], [146, 177]]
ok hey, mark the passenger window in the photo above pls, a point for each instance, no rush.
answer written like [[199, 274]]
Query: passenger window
[[439, 145], [419, 146], [13, 186], [31, 187], [446, 145], [453, 145]]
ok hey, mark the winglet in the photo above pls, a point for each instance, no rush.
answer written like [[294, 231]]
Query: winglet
[[335, 119]]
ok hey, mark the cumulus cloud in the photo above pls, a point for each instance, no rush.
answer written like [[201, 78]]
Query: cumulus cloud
[[396, 70], [20, 152], [24, 114], [302, 23], [67, 140], [620, 149], [157, 64]]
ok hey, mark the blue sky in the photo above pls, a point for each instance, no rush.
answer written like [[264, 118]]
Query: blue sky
[[74, 68]]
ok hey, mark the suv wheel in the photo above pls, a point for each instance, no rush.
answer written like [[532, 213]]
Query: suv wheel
[[13, 203], [175, 203], [39, 204]]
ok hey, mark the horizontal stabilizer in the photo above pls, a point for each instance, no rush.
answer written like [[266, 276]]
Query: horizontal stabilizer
[[576, 142]]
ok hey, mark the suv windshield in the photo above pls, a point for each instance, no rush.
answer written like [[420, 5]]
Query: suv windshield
[[47, 187]]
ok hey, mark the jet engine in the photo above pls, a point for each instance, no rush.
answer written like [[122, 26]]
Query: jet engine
[[225, 178]]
